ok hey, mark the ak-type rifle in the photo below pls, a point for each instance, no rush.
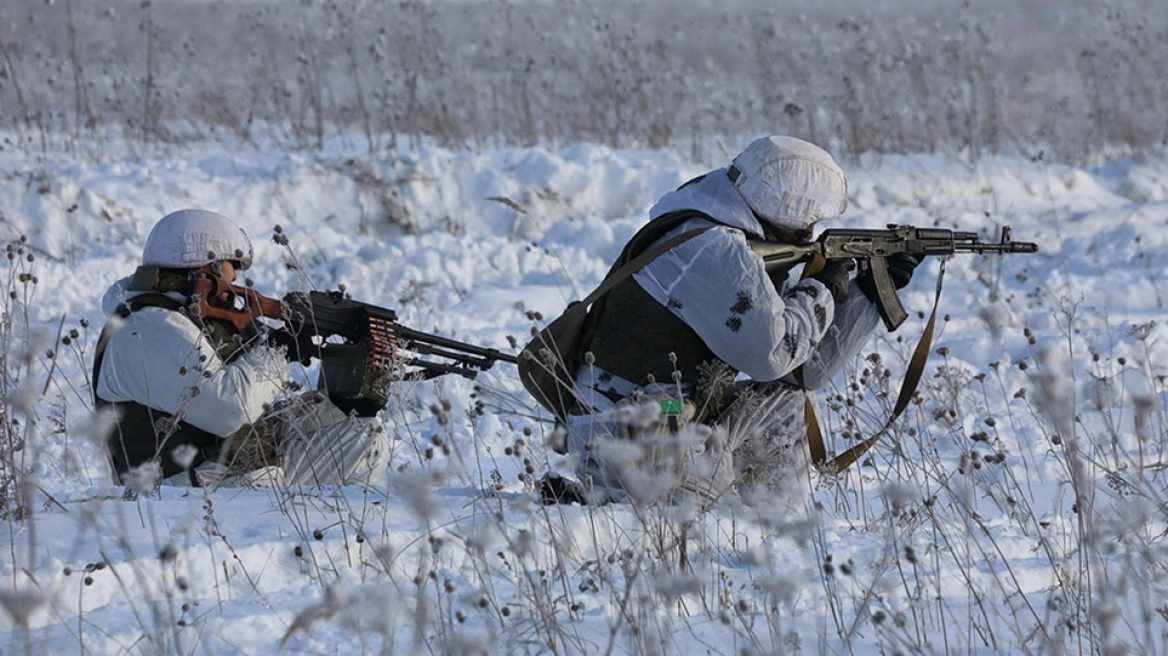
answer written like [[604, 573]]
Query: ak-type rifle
[[872, 248]]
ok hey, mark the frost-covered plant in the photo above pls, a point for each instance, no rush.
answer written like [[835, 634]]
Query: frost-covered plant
[[22, 386]]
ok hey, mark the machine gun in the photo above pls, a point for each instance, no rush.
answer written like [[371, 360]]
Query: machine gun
[[362, 347], [871, 248], [330, 314]]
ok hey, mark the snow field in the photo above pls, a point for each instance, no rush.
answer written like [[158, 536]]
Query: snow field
[[1018, 505]]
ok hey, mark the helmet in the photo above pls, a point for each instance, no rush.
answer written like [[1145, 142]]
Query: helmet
[[189, 239], [790, 183]]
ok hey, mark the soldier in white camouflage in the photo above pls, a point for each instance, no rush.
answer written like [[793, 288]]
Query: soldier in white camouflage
[[705, 326], [199, 402]]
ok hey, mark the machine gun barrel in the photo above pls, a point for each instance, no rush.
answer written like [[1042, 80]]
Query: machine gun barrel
[[427, 344], [325, 314]]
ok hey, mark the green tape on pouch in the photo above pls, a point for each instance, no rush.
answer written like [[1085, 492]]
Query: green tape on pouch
[[670, 406]]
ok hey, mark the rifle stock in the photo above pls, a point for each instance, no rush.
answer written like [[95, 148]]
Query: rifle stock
[[872, 248]]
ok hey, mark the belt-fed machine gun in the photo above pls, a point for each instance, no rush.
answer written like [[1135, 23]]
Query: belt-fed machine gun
[[362, 347]]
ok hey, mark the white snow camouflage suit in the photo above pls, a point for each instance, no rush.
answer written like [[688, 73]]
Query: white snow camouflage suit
[[720, 290], [161, 366]]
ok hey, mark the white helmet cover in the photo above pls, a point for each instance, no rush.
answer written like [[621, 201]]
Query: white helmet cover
[[789, 182], [189, 239]]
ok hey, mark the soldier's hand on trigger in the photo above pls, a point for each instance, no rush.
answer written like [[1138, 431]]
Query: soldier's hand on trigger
[[834, 276], [901, 267], [900, 270]]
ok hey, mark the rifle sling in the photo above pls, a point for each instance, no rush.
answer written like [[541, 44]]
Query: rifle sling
[[639, 262], [912, 378]]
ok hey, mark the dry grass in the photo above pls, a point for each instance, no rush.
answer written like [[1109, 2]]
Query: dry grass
[[970, 80]]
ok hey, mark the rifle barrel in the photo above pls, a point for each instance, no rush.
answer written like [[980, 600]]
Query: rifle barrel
[[1010, 247]]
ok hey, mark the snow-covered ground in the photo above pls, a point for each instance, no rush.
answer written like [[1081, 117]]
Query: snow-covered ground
[[1019, 506]]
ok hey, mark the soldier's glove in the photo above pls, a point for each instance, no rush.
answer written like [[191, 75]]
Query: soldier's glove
[[900, 269], [295, 350], [834, 276]]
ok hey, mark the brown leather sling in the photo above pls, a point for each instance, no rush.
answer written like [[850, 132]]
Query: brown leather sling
[[912, 378]]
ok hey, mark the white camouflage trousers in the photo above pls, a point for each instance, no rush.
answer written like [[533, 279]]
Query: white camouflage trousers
[[316, 444], [757, 446]]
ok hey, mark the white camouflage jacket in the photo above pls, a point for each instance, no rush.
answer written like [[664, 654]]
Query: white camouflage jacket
[[719, 287], [161, 359]]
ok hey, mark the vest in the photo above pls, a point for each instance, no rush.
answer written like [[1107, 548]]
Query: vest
[[632, 334]]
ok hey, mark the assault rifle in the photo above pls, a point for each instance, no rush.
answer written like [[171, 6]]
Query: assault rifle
[[370, 338], [871, 248]]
